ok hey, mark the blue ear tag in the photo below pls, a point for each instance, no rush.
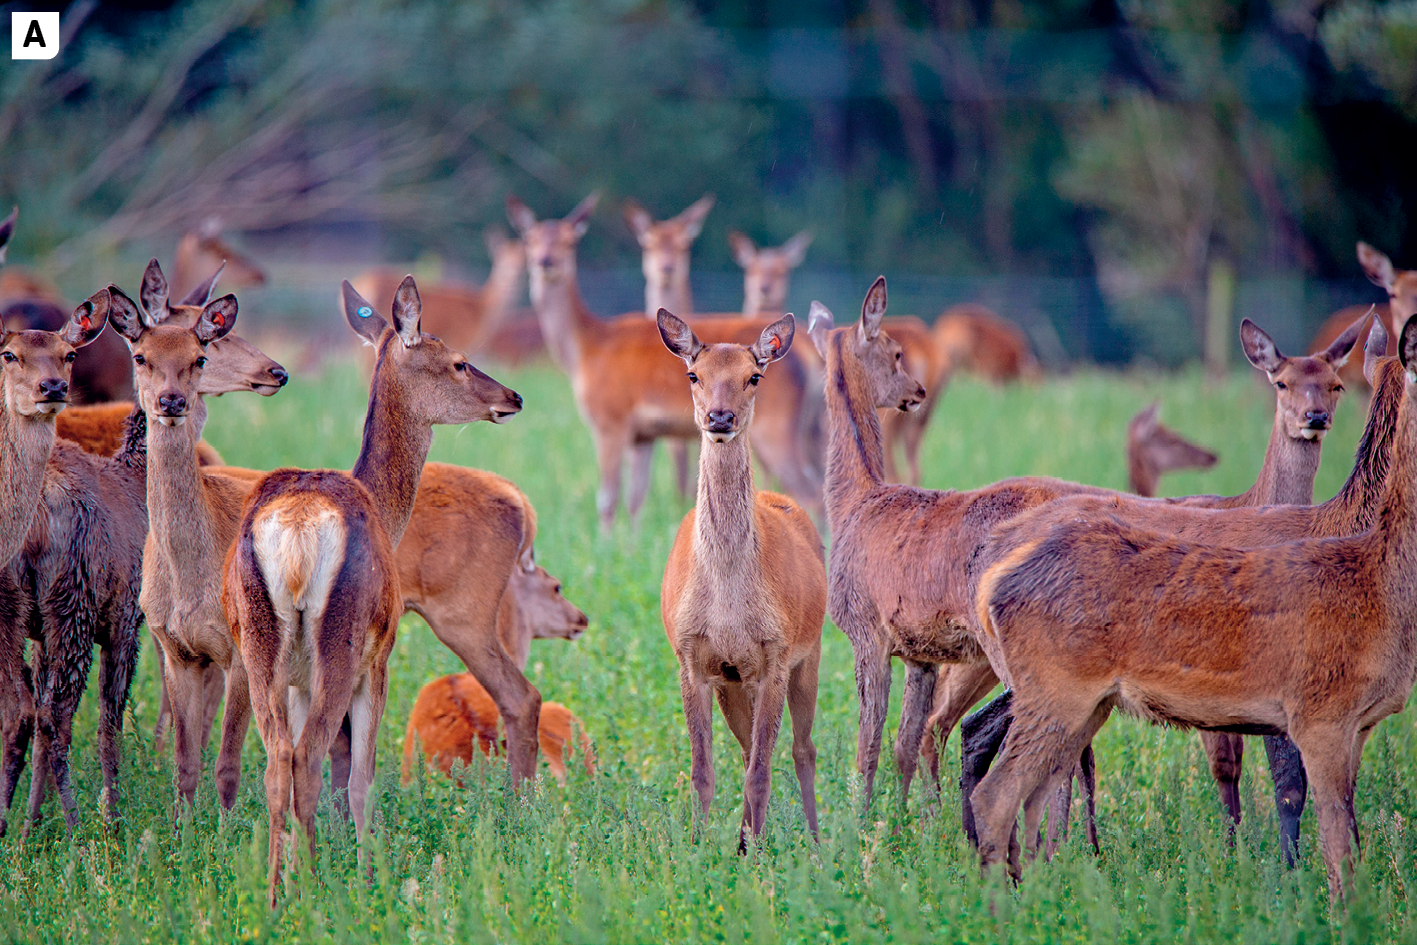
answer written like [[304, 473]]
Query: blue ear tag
[[365, 311]]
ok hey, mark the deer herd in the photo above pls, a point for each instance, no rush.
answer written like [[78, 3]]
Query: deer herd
[[278, 594]]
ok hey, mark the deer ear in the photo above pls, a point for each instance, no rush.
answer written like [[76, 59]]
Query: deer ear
[[1407, 348], [744, 252], [1376, 266], [678, 337], [1144, 423], [1374, 348], [124, 315], [153, 294], [873, 309], [774, 341], [218, 318], [7, 230], [1337, 353], [519, 214], [637, 218], [579, 218], [1259, 347], [692, 218], [202, 294], [88, 320], [795, 249], [408, 309], [819, 326], [367, 323]]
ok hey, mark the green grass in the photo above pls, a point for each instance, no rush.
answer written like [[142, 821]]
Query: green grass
[[613, 857]]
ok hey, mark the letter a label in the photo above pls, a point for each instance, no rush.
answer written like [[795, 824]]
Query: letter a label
[[34, 35]]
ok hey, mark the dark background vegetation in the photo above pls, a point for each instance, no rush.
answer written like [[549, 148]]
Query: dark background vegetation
[[1083, 165]]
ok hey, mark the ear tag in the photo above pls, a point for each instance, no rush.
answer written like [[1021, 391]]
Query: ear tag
[[365, 311], [85, 323], [218, 319]]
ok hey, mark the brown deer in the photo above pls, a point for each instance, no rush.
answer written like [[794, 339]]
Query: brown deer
[[766, 272], [454, 716], [98, 429], [203, 250], [629, 391], [1314, 638], [1350, 512], [904, 431], [1401, 288], [744, 588], [463, 316], [311, 590], [1154, 449], [977, 341]]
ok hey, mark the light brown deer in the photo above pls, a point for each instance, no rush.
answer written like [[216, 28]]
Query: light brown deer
[[977, 341], [630, 391], [766, 272], [463, 316], [1154, 449], [904, 431], [1315, 638], [744, 588], [1401, 288], [311, 590], [203, 250]]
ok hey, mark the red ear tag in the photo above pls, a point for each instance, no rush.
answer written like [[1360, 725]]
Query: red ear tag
[[776, 343], [218, 319], [85, 323]]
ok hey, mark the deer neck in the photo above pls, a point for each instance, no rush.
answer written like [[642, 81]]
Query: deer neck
[[855, 454], [1356, 504], [725, 526], [393, 450], [181, 521], [1290, 467], [566, 322], [499, 294], [25, 445], [675, 297], [1396, 544]]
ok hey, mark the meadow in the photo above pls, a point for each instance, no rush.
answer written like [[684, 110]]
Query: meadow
[[614, 857]]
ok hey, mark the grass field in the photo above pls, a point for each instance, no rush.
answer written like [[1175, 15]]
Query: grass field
[[612, 858]]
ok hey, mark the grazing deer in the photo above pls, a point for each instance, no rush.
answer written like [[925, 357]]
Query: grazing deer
[[766, 272], [628, 390], [311, 590], [203, 250], [977, 341], [1350, 512], [1314, 638], [744, 589], [1401, 288], [454, 715], [1154, 449], [463, 316]]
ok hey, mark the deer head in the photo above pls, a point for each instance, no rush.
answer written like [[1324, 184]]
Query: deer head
[[1154, 450], [723, 378], [665, 245], [766, 272], [879, 354], [1308, 388], [7, 230], [37, 365], [205, 250], [540, 604], [551, 244], [1400, 284], [431, 381]]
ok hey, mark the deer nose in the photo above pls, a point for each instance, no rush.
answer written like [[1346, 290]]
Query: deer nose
[[281, 375], [172, 404], [720, 421], [546, 262], [54, 388], [1318, 419]]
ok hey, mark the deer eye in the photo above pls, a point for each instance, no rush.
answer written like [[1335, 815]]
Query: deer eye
[[1338, 388], [556, 589], [139, 359], [1281, 385], [897, 355], [202, 362], [9, 357], [70, 357], [754, 379], [693, 378]]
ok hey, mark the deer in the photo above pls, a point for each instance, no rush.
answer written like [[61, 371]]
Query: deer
[[203, 250], [464, 316], [1401, 288], [1350, 512], [978, 341], [1154, 449], [903, 432], [766, 271], [744, 589], [628, 391], [310, 587], [98, 429], [454, 714], [1315, 638]]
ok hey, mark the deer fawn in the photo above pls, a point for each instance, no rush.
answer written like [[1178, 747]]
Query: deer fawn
[[1401, 288], [311, 590], [1154, 449], [744, 589], [1316, 638], [766, 272], [628, 390]]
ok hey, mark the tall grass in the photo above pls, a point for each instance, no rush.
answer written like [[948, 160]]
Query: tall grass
[[613, 857]]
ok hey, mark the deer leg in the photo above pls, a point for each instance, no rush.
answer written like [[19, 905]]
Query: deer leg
[[340, 762], [698, 717], [164, 705], [365, 711], [234, 723], [1291, 785], [1331, 757], [1226, 754], [117, 662], [213, 688], [767, 721], [981, 736], [1087, 772], [610, 452], [802, 706], [914, 711], [17, 712], [323, 712], [959, 687], [873, 689], [738, 712], [641, 465], [516, 698]]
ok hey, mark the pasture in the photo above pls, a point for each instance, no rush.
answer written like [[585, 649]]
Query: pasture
[[613, 857]]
